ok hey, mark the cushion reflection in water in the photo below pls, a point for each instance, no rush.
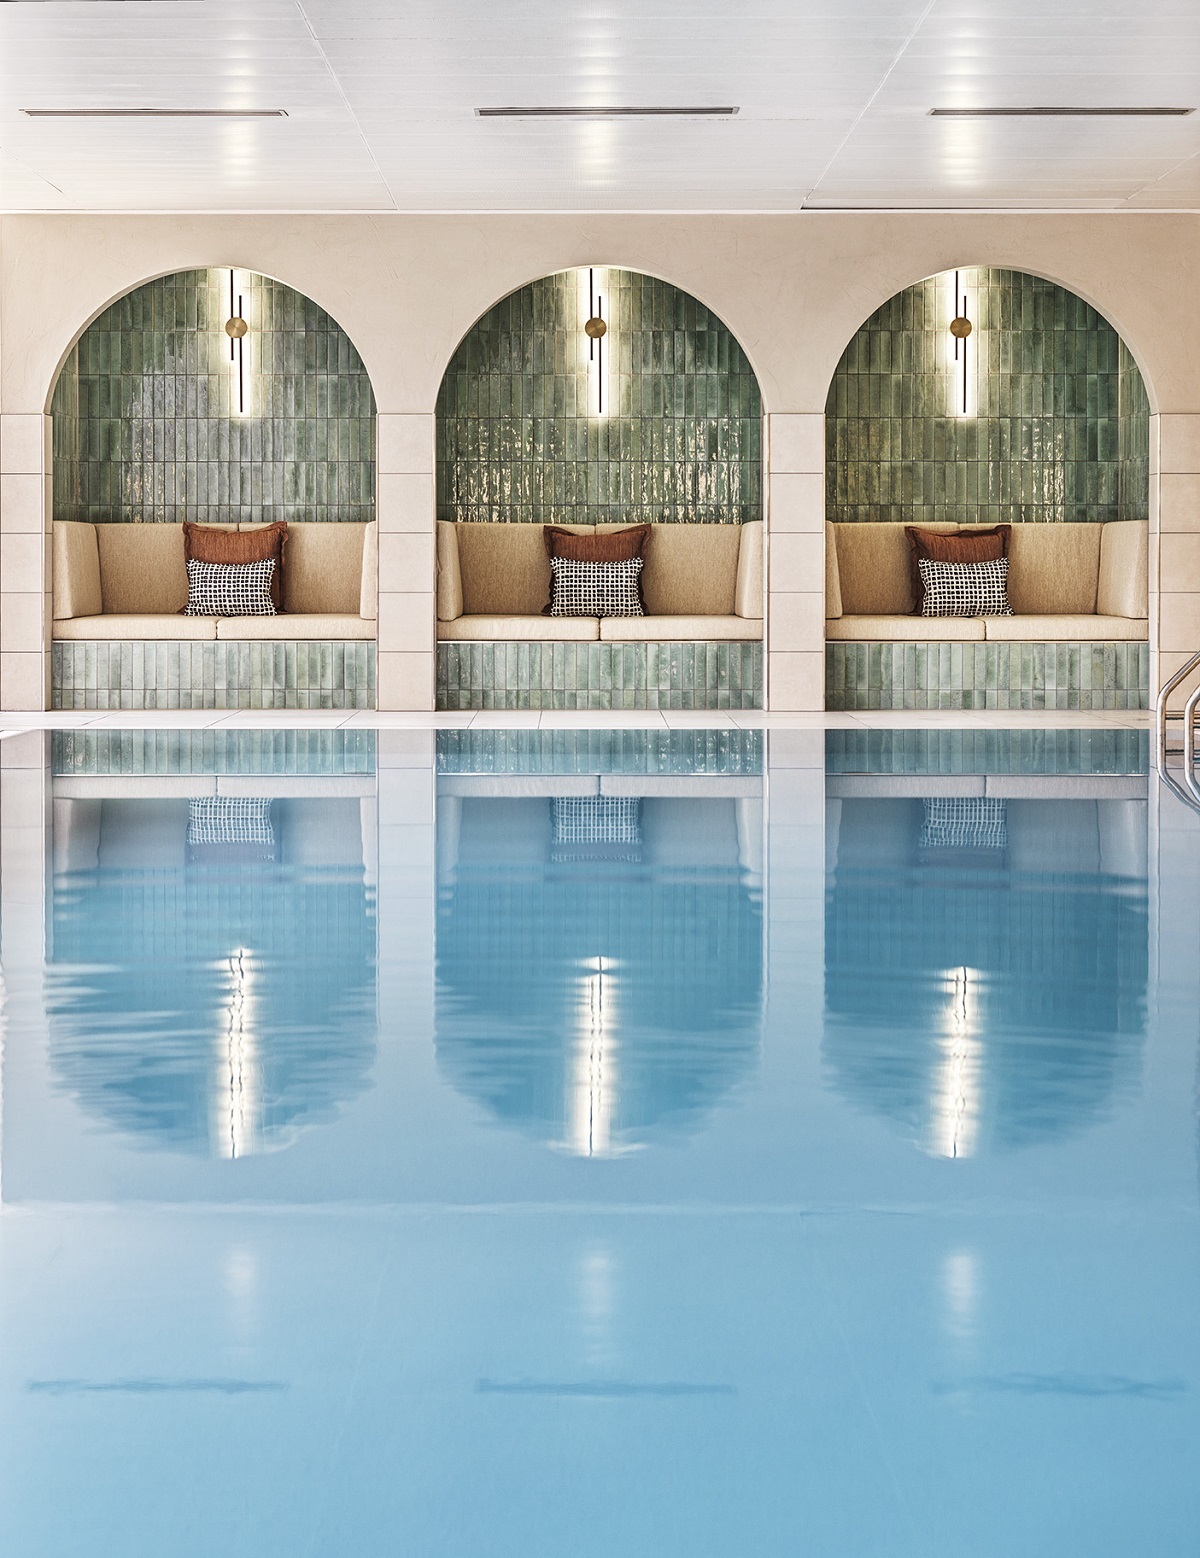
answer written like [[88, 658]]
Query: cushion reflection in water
[[211, 977], [599, 955], [985, 962]]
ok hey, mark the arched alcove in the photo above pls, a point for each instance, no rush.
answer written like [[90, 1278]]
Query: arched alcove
[[524, 436], [979, 398], [1056, 425], [600, 397], [148, 423]]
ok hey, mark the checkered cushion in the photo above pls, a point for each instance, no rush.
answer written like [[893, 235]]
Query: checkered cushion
[[230, 589], [230, 819], [965, 822], [965, 589], [595, 589]]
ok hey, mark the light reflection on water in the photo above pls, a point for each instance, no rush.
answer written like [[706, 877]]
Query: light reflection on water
[[807, 1159]]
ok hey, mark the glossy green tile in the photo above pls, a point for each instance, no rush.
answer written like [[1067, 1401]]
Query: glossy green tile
[[681, 437], [1060, 429], [962, 676], [145, 421]]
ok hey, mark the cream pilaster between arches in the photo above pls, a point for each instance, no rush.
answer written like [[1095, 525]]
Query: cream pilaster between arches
[[796, 561], [406, 668], [1174, 542], [25, 601]]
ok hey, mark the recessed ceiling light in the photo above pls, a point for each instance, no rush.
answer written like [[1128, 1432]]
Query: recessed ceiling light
[[650, 112], [1059, 111], [155, 113]]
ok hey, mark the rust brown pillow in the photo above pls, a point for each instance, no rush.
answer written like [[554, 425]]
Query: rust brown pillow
[[207, 545], [611, 546], [961, 546]]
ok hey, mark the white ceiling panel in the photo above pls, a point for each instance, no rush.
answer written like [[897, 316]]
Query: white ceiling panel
[[380, 98]]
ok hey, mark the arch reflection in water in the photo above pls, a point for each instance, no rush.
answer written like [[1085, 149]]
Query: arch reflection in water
[[599, 956], [211, 977], [986, 962]]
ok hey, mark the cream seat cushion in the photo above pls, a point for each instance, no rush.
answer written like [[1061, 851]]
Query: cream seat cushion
[[907, 629], [504, 570], [290, 625], [833, 583], [323, 567], [637, 630], [478, 627], [115, 626], [874, 568], [691, 570], [749, 589], [77, 591], [142, 570], [1069, 628], [1053, 569], [1124, 568]]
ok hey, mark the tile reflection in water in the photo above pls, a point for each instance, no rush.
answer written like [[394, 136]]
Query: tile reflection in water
[[210, 985], [986, 958], [599, 951]]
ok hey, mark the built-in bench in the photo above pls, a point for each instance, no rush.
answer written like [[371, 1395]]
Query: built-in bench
[[119, 640], [698, 646], [1078, 636]]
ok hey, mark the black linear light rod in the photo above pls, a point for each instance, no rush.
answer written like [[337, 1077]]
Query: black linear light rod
[[155, 113], [652, 111], [1060, 111]]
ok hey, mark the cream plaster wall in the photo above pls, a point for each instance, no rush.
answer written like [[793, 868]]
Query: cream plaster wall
[[793, 289]]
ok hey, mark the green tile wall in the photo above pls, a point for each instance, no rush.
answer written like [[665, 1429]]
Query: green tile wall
[[145, 420], [241, 752], [330, 674], [599, 676], [987, 676], [599, 751], [1026, 752], [1060, 429], [517, 438]]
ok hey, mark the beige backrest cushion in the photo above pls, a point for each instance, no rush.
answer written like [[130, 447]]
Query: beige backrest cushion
[[449, 575], [1053, 569], [833, 583], [368, 600], [691, 570], [142, 572], [505, 569], [748, 594], [1124, 569], [875, 568], [323, 567], [77, 590]]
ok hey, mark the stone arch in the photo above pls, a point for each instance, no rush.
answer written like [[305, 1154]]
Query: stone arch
[[1057, 423], [516, 397], [304, 449]]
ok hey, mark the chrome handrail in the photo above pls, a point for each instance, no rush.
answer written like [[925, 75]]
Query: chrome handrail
[[1189, 791], [1161, 716]]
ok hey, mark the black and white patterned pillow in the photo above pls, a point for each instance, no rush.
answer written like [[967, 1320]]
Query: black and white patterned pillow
[[595, 589], [965, 822], [230, 819], [965, 589], [230, 589]]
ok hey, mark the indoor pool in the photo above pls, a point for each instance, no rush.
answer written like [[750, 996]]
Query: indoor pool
[[598, 1143]]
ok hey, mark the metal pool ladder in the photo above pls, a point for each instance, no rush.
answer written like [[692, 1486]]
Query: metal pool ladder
[[1192, 793]]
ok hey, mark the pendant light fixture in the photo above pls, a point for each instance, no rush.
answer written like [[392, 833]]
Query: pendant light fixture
[[595, 329], [960, 329], [236, 329]]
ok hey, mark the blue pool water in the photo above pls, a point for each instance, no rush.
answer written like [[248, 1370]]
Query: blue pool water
[[528, 1143]]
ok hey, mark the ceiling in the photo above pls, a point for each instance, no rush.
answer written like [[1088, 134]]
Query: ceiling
[[380, 95]]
